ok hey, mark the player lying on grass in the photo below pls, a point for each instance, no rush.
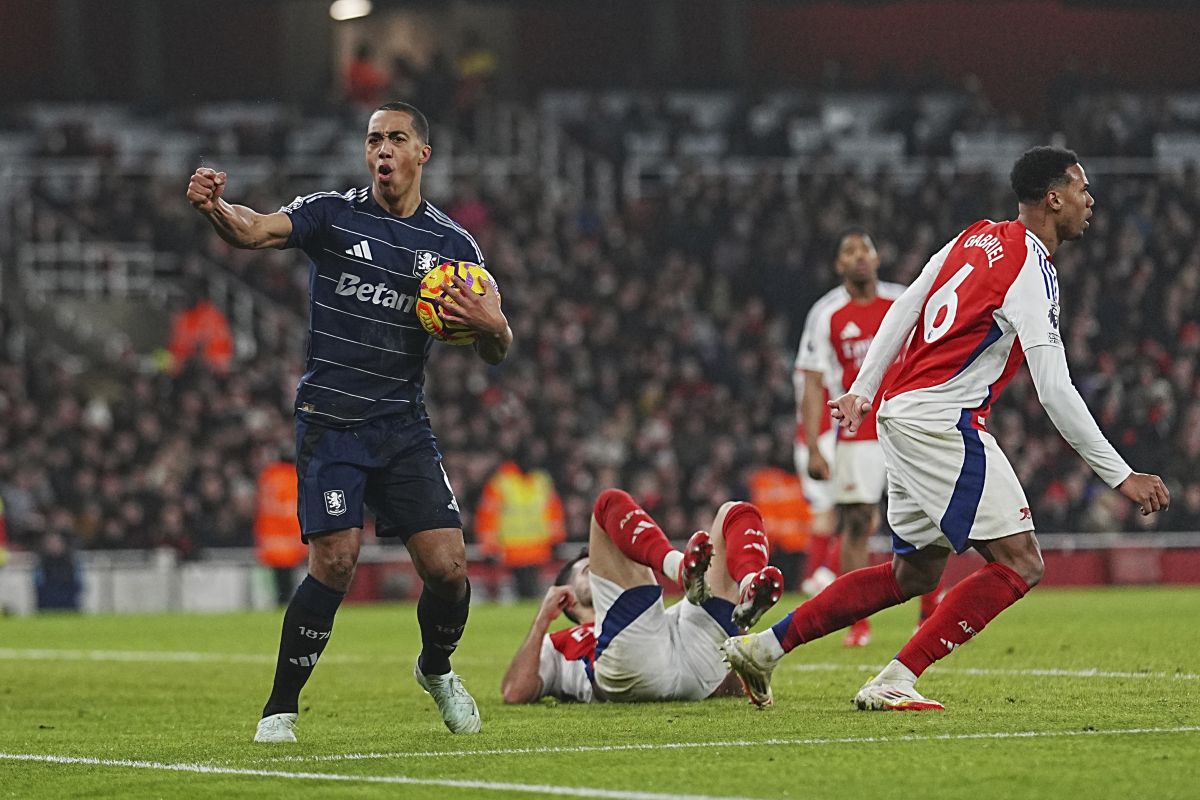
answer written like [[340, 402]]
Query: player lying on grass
[[626, 645], [985, 301]]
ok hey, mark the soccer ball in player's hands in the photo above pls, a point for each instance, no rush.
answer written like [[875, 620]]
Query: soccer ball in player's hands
[[433, 296]]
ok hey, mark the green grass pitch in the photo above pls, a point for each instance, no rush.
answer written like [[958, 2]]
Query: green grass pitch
[[1070, 694]]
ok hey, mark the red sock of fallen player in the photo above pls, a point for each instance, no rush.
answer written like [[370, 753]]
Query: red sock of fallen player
[[962, 614], [818, 551], [851, 597], [631, 529], [745, 541], [833, 560], [929, 602]]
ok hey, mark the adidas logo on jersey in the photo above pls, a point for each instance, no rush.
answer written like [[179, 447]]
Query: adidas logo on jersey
[[850, 331], [362, 250]]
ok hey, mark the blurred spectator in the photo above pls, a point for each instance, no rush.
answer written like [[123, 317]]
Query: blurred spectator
[[57, 579], [277, 540], [201, 331], [780, 497], [363, 81], [518, 522], [476, 72], [404, 80]]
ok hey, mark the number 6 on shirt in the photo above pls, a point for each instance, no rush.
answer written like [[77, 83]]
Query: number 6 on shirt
[[944, 298]]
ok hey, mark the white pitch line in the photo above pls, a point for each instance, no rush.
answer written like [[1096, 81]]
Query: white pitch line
[[607, 748], [186, 657], [1032, 672], [494, 786], [171, 656]]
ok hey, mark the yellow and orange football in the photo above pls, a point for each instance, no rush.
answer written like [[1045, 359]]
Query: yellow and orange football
[[432, 297]]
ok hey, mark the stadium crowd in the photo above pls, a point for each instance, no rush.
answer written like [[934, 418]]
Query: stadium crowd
[[653, 351]]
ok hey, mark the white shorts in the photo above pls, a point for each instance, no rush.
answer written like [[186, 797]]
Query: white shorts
[[647, 652], [947, 488], [859, 474], [819, 494]]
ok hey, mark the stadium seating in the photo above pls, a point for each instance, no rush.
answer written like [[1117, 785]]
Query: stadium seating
[[655, 317]]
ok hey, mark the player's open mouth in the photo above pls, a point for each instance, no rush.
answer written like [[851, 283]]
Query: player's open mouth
[[384, 171]]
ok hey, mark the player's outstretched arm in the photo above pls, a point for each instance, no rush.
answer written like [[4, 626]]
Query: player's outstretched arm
[[481, 313], [240, 226], [522, 682], [1068, 412]]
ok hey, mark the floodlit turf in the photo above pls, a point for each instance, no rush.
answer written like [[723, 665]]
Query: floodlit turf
[[165, 697]]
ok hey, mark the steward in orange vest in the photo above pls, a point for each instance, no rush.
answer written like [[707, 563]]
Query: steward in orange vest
[[518, 522], [277, 528], [202, 331], [779, 495]]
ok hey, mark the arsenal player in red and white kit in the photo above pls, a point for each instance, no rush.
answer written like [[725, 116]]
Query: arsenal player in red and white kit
[[986, 301], [626, 644], [837, 333]]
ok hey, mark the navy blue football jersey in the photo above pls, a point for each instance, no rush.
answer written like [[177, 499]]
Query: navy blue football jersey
[[366, 349]]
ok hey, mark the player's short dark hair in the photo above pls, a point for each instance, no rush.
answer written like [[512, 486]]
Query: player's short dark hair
[[419, 122], [849, 230], [564, 574], [1038, 170], [564, 577]]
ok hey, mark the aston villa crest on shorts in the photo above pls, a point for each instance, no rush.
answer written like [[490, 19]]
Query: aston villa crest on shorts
[[335, 502]]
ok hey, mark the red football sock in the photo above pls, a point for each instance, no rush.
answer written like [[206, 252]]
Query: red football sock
[[962, 614], [929, 602], [851, 597], [745, 541], [631, 528], [834, 559], [818, 552]]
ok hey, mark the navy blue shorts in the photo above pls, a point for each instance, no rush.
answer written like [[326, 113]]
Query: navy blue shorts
[[391, 465]]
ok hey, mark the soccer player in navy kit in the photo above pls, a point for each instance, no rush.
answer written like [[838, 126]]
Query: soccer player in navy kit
[[362, 433]]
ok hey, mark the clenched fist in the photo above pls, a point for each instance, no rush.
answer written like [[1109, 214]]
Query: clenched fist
[[205, 188]]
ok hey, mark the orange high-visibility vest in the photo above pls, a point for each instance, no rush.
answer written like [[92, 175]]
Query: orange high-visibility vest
[[786, 514], [201, 330], [276, 526], [520, 516]]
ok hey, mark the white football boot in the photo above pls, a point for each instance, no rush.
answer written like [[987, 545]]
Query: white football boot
[[458, 708], [752, 658], [276, 728], [893, 689], [818, 581]]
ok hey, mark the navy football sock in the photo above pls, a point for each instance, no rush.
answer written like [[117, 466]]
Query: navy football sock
[[442, 626], [307, 624]]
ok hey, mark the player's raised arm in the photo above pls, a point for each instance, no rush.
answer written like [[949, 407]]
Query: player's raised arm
[[523, 681], [239, 225]]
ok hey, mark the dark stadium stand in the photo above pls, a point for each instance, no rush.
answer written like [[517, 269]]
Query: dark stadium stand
[[656, 316]]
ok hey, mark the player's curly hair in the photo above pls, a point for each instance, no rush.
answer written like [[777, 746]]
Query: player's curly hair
[[564, 577], [419, 122], [1038, 170]]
